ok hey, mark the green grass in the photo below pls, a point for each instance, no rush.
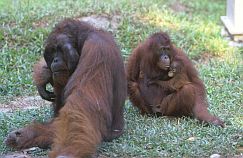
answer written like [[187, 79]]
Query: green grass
[[25, 24]]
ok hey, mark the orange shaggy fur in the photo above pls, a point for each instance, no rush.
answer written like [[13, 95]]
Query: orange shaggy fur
[[92, 100]]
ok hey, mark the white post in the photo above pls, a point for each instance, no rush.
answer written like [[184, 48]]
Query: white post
[[233, 21]]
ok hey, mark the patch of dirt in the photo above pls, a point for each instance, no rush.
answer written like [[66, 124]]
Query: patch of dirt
[[31, 153], [205, 57], [41, 24], [30, 102], [16, 155], [179, 7], [105, 22], [27, 153]]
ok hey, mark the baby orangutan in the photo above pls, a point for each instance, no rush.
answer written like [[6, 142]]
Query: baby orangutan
[[177, 75], [178, 78], [162, 79]]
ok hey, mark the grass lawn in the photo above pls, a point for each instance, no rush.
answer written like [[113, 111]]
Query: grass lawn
[[193, 26]]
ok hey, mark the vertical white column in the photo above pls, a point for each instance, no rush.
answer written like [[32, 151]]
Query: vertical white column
[[233, 21]]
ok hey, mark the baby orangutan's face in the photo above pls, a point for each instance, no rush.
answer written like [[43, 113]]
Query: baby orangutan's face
[[173, 69]]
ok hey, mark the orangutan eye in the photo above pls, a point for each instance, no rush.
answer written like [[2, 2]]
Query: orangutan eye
[[18, 134], [165, 48]]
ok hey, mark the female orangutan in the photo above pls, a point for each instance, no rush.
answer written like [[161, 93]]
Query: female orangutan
[[162, 80]]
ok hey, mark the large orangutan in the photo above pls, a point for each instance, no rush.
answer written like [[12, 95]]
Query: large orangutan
[[162, 80], [89, 86]]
